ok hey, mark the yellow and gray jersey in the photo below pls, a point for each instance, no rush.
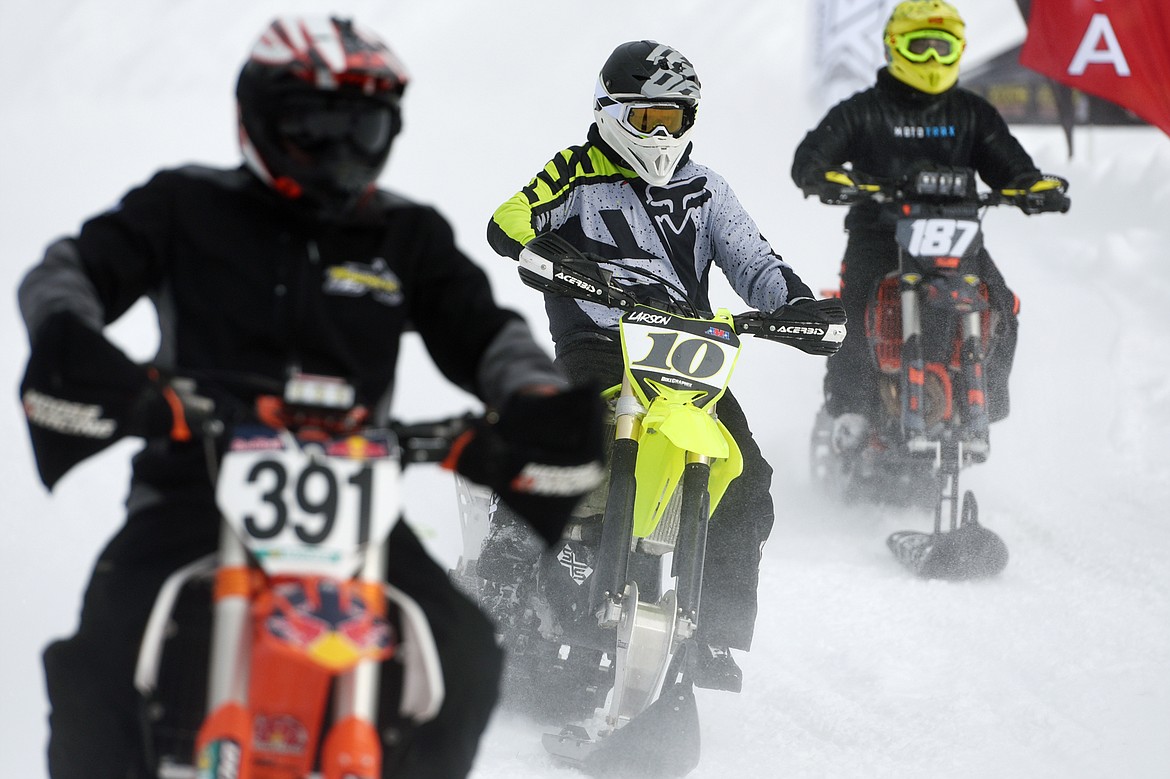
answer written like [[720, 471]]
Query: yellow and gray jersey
[[676, 232]]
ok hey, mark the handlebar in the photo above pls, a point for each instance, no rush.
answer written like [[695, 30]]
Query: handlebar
[[309, 406], [940, 188], [554, 266], [430, 442]]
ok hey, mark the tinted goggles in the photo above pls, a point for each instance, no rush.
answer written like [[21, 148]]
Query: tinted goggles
[[314, 122], [921, 45], [646, 118]]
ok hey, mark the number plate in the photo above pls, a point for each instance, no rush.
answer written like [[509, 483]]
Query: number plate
[[309, 510], [679, 353], [937, 237]]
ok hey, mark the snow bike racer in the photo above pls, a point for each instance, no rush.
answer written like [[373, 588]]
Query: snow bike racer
[[292, 262], [914, 117], [631, 193]]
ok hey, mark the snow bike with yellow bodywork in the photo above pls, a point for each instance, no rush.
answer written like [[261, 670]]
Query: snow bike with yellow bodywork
[[611, 611]]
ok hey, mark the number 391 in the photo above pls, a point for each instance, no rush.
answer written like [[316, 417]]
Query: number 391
[[315, 492]]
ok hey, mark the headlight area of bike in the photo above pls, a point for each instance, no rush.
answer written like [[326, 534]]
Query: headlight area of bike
[[335, 624]]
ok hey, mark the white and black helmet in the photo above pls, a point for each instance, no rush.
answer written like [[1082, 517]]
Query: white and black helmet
[[645, 105]]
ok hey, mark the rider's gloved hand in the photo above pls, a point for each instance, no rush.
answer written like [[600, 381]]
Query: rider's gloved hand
[[838, 186], [169, 408], [81, 394], [541, 455], [1034, 194], [803, 312], [829, 311]]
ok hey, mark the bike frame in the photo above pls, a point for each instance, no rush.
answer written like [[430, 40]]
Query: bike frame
[[669, 449], [938, 247], [668, 440], [302, 612]]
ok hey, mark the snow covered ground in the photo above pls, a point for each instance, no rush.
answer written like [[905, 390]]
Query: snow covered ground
[[1058, 668]]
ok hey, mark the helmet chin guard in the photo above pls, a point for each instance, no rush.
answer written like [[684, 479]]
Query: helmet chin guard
[[907, 39]]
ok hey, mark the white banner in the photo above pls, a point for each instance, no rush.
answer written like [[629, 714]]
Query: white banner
[[847, 49]]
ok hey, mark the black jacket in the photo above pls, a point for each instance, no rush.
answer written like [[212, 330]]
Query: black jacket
[[243, 282], [891, 130]]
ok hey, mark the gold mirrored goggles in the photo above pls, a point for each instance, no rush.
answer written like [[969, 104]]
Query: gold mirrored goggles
[[675, 118]]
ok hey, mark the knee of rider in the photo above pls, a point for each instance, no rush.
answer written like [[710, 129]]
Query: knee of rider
[[472, 680], [477, 650], [759, 470], [75, 673]]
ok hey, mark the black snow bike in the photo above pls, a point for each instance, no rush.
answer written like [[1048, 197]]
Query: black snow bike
[[930, 328], [611, 610]]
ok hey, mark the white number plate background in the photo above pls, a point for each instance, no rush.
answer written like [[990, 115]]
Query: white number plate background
[[308, 513]]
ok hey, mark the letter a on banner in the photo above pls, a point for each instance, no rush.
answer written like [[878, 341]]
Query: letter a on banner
[[1099, 46], [1115, 49]]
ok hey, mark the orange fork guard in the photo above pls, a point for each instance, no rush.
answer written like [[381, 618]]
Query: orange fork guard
[[352, 749], [227, 728]]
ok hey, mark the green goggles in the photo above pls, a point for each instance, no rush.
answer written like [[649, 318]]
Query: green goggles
[[921, 45]]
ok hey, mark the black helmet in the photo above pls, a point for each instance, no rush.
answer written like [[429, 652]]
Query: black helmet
[[649, 70], [645, 104], [318, 103]]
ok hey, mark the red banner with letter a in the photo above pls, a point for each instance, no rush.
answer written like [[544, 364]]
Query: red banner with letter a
[[1118, 50]]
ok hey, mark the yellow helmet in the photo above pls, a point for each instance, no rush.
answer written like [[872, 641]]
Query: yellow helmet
[[924, 40]]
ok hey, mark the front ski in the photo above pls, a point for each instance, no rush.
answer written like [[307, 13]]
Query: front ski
[[662, 741], [970, 551], [572, 745]]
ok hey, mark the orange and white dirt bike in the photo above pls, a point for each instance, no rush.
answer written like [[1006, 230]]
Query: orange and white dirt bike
[[302, 620]]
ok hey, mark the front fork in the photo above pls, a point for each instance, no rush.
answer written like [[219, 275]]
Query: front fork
[[691, 547], [617, 527], [352, 747], [618, 522], [913, 366], [647, 634], [974, 379], [974, 402], [224, 743]]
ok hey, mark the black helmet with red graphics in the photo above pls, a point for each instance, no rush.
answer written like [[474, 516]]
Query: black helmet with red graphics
[[318, 102]]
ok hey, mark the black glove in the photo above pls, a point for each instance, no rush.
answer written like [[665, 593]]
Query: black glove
[[839, 187], [541, 456], [801, 316], [81, 394], [1037, 195]]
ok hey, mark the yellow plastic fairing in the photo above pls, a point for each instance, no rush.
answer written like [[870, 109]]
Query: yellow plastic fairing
[[672, 427]]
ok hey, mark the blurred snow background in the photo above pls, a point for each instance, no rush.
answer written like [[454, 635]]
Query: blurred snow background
[[1058, 668]]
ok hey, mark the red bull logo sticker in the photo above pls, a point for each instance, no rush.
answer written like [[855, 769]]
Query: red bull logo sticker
[[356, 447], [279, 734]]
